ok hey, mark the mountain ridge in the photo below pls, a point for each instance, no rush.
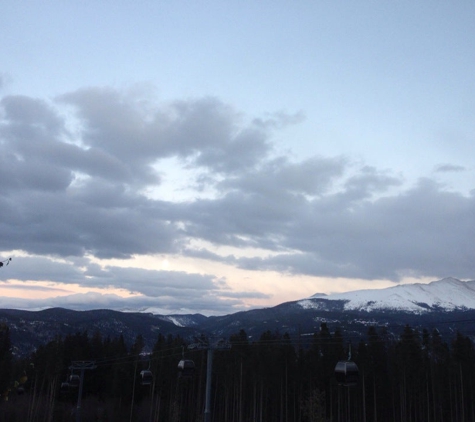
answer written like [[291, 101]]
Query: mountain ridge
[[422, 308], [446, 294]]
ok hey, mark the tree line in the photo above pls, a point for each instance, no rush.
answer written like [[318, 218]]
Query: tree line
[[415, 377]]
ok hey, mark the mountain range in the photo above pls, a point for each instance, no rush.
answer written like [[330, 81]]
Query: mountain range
[[448, 294], [447, 305]]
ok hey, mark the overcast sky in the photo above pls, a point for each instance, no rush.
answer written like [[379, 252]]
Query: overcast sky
[[216, 156]]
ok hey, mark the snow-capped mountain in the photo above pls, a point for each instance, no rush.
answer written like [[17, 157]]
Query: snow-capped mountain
[[448, 294], [447, 305]]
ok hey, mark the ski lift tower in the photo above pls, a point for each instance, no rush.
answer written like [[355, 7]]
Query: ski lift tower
[[220, 344], [81, 366]]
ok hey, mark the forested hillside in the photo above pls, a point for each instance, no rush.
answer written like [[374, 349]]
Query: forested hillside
[[416, 377]]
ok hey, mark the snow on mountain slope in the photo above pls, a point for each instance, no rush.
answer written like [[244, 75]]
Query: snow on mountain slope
[[447, 294]]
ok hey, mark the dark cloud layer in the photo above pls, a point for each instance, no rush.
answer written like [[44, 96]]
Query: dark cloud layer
[[73, 172]]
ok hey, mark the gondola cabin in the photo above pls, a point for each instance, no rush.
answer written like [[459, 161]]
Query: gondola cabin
[[146, 377], [74, 381], [186, 368], [346, 373], [64, 387]]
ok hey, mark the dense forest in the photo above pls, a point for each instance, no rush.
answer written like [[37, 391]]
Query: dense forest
[[415, 377]]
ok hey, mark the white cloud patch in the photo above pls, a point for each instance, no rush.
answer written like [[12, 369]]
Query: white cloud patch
[[443, 168]]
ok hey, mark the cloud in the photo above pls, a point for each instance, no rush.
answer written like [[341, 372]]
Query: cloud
[[167, 290], [87, 273], [74, 171], [206, 132], [424, 231], [209, 305], [443, 168]]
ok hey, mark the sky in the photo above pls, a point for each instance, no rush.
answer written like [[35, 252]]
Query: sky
[[211, 157]]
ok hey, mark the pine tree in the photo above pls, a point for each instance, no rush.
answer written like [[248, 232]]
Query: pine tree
[[5, 359]]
